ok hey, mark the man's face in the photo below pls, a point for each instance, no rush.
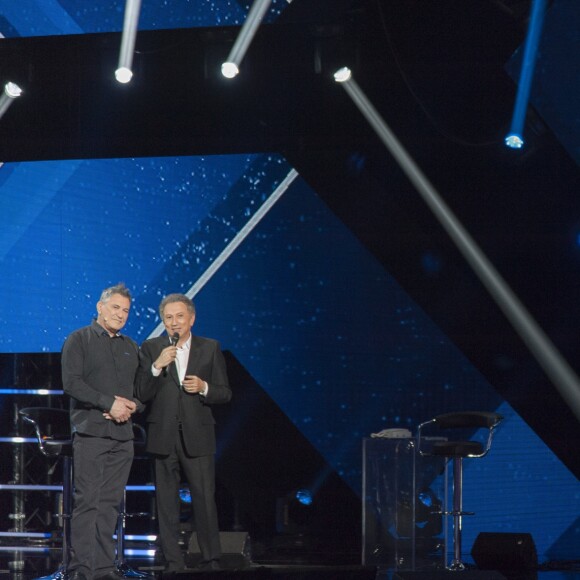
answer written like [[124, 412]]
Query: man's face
[[113, 314], [177, 318]]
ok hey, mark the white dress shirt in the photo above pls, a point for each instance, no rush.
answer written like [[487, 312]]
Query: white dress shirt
[[181, 364]]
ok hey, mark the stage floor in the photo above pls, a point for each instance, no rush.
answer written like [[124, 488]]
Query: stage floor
[[29, 562]]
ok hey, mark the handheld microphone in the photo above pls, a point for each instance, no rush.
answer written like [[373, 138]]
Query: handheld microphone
[[173, 340]]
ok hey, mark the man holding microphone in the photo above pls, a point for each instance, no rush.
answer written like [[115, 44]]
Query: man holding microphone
[[180, 376]]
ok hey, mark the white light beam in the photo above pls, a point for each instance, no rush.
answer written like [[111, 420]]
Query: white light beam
[[231, 67], [11, 92], [236, 241], [124, 72]]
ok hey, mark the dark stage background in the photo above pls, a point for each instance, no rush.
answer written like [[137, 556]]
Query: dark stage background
[[341, 305]]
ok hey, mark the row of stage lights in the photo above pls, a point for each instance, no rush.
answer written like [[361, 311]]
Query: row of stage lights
[[231, 67], [124, 73]]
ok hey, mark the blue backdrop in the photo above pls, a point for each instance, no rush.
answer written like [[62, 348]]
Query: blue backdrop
[[319, 323]]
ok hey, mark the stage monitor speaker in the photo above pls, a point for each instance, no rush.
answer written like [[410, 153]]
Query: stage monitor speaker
[[504, 551], [236, 551], [449, 575]]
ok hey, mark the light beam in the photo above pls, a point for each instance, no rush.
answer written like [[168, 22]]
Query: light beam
[[124, 72], [555, 366], [231, 67], [515, 138], [11, 92]]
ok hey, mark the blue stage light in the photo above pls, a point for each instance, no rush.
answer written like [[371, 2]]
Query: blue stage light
[[514, 141], [514, 138], [304, 497], [426, 498], [185, 495]]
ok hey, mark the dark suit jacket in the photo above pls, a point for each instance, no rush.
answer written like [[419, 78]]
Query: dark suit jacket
[[168, 403]]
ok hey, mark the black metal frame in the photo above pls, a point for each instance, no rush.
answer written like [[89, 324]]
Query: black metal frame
[[56, 444]]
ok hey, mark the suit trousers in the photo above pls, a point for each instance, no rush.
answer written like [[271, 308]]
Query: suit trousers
[[200, 475], [101, 471]]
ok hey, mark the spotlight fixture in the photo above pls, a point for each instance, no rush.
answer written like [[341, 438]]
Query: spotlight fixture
[[304, 496], [514, 141], [184, 495], [342, 75], [294, 511], [11, 91], [124, 74], [231, 67]]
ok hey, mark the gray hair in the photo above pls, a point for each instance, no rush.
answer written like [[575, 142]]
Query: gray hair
[[171, 298], [119, 288]]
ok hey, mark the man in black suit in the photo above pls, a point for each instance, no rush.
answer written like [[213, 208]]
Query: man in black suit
[[99, 365], [181, 376]]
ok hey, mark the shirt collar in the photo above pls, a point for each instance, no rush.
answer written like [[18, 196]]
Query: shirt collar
[[100, 330], [187, 344]]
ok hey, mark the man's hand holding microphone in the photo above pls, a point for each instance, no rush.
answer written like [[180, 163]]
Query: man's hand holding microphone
[[167, 355]]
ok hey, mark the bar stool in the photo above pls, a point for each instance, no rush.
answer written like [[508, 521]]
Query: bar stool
[[52, 430], [457, 451]]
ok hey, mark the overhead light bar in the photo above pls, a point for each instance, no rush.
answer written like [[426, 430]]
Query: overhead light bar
[[124, 72], [231, 67], [11, 92], [515, 138], [556, 367]]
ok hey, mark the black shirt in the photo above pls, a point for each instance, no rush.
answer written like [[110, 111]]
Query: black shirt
[[95, 368]]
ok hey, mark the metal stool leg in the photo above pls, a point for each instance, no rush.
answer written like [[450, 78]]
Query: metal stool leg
[[120, 563], [62, 572], [457, 564], [67, 487]]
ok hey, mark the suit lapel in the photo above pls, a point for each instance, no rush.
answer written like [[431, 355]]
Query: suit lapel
[[172, 368], [194, 354], [174, 374]]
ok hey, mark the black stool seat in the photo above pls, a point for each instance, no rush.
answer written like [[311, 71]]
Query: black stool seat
[[52, 429], [468, 419], [457, 448]]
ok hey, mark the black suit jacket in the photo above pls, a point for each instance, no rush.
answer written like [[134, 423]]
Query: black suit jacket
[[168, 404]]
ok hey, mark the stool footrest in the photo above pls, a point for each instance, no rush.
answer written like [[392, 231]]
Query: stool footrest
[[135, 515]]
